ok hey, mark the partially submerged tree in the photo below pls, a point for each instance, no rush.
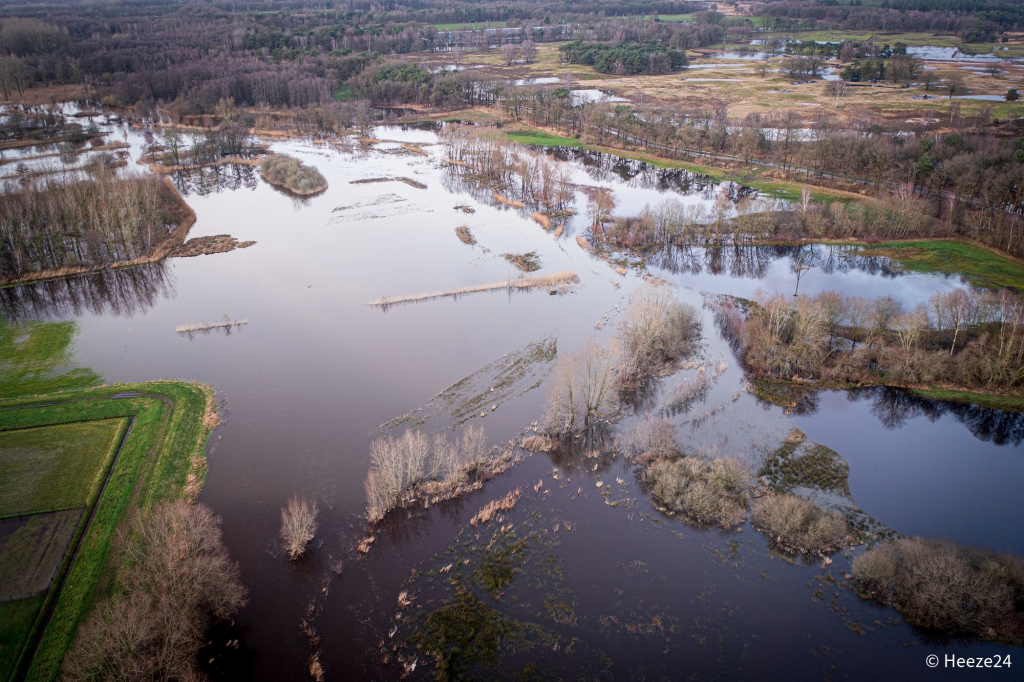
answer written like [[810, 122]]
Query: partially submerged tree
[[298, 525]]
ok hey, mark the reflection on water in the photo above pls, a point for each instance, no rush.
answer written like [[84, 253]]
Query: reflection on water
[[894, 408], [123, 292], [603, 167], [209, 179]]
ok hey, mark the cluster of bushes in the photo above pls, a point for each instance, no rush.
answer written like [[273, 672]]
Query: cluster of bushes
[[656, 333], [797, 525], [176, 575], [943, 586], [649, 57], [415, 467], [968, 338], [707, 492], [288, 172]]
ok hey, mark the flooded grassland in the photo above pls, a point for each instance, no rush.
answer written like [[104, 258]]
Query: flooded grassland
[[360, 312]]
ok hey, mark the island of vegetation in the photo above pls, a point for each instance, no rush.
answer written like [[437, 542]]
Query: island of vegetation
[[291, 174]]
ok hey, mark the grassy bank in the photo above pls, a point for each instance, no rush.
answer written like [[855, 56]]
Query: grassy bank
[[164, 447], [65, 442], [980, 266]]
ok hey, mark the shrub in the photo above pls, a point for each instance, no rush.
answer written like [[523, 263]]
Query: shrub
[[706, 492], [943, 586], [292, 174], [413, 466], [797, 525], [657, 330], [298, 525], [176, 574]]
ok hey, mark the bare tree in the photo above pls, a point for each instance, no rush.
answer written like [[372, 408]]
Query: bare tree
[[529, 51], [582, 390], [509, 53], [176, 574], [955, 84], [298, 525]]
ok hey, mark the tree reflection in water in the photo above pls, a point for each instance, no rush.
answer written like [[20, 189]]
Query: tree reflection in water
[[123, 292]]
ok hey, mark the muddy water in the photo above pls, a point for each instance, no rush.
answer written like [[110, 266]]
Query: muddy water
[[308, 382]]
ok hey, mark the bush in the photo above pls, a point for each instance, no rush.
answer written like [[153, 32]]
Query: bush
[[177, 574], [797, 525], [706, 492], [657, 331], [292, 174], [413, 467], [943, 586], [298, 525]]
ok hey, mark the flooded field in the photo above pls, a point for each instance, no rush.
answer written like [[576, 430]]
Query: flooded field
[[584, 578]]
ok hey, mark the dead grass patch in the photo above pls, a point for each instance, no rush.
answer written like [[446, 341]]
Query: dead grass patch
[[555, 283], [496, 507], [205, 246], [541, 220], [525, 262], [464, 235], [502, 199]]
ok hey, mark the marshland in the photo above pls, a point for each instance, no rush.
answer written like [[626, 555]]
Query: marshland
[[690, 490], [491, 410]]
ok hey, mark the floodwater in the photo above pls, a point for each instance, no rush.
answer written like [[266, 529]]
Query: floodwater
[[617, 591]]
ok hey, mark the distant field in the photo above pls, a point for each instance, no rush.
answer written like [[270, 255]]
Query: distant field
[[54, 467], [540, 138]]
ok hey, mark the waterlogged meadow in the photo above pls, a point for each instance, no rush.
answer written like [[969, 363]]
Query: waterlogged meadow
[[465, 439]]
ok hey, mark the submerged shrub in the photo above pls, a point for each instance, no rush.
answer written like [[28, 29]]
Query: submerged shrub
[[177, 573], [797, 525], [708, 493], [581, 392], [298, 525], [652, 438], [413, 466], [292, 174], [657, 330], [944, 586]]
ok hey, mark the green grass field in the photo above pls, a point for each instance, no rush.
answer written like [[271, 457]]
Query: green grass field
[[42, 433], [540, 138], [31, 554], [16, 618], [980, 266], [997, 402], [54, 467]]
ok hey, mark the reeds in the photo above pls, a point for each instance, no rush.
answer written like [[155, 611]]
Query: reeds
[[193, 327], [541, 220], [495, 507], [555, 283], [502, 199], [298, 525]]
